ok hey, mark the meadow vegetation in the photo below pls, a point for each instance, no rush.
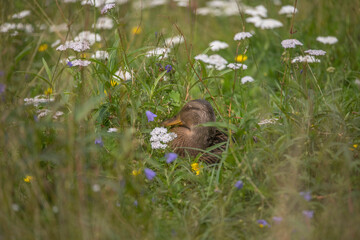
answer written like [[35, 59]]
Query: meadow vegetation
[[76, 160]]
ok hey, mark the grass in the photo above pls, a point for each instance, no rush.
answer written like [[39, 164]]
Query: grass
[[81, 190]]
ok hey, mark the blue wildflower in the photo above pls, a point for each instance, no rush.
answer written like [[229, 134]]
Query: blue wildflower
[[150, 174], [306, 195], [239, 184], [308, 213], [69, 64], [168, 68], [2, 88], [135, 203], [170, 157], [98, 141], [150, 116], [262, 223]]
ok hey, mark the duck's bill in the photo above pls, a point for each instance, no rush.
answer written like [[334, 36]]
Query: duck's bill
[[173, 121]]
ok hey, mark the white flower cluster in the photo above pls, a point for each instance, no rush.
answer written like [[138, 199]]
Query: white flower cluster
[[257, 11], [111, 130], [78, 46], [306, 58], [237, 66], [158, 52], [268, 121], [88, 36], [327, 40], [100, 55], [104, 23], [6, 27], [217, 45], [288, 10], [21, 14], [37, 100], [123, 75], [218, 8], [159, 138], [44, 112], [215, 61], [107, 7], [242, 35], [246, 79], [268, 23], [315, 52], [290, 43], [79, 62], [172, 41]]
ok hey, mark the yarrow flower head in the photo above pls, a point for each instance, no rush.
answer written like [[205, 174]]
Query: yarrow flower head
[[306, 58], [235, 66], [159, 138], [242, 35], [78, 46], [327, 40], [215, 61], [268, 24], [239, 184], [107, 7], [315, 52], [150, 174], [246, 79], [150, 116], [78, 62], [101, 55], [290, 43], [170, 157], [217, 45], [288, 10], [262, 223]]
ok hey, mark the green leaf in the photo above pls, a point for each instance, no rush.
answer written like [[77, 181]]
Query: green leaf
[[48, 72]]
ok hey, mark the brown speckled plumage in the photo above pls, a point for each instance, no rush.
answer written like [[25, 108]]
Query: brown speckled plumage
[[191, 138]]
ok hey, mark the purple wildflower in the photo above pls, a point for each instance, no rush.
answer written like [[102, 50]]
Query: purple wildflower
[[308, 213], [168, 68], [306, 195], [239, 184], [150, 116], [69, 64], [277, 219], [2, 88], [135, 203], [262, 223], [98, 141], [170, 157], [150, 174]]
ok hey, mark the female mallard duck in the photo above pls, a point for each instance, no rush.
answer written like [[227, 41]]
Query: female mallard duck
[[193, 139]]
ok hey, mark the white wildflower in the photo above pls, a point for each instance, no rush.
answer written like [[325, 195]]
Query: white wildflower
[[306, 58], [217, 45], [104, 23], [290, 43], [268, 24], [79, 62], [255, 20], [111, 130], [78, 46], [107, 7], [96, 187], [88, 36], [315, 52], [215, 61], [101, 55], [268, 121], [327, 40], [158, 52], [58, 114], [172, 41], [202, 57], [42, 113], [288, 10], [357, 82], [21, 14], [37, 100], [242, 35], [123, 75], [257, 11], [246, 79], [160, 136], [237, 66], [15, 207]]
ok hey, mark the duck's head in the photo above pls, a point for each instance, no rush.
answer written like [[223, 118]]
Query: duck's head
[[186, 122]]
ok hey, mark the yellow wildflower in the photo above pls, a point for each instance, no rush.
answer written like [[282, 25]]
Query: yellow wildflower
[[83, 55], [28, 178], [43, 47], [196, 168], [261, 225], [105, 92], [48, 91], [241, 58], [136, 30], [135, 172], [114, 83], [355, 145]]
